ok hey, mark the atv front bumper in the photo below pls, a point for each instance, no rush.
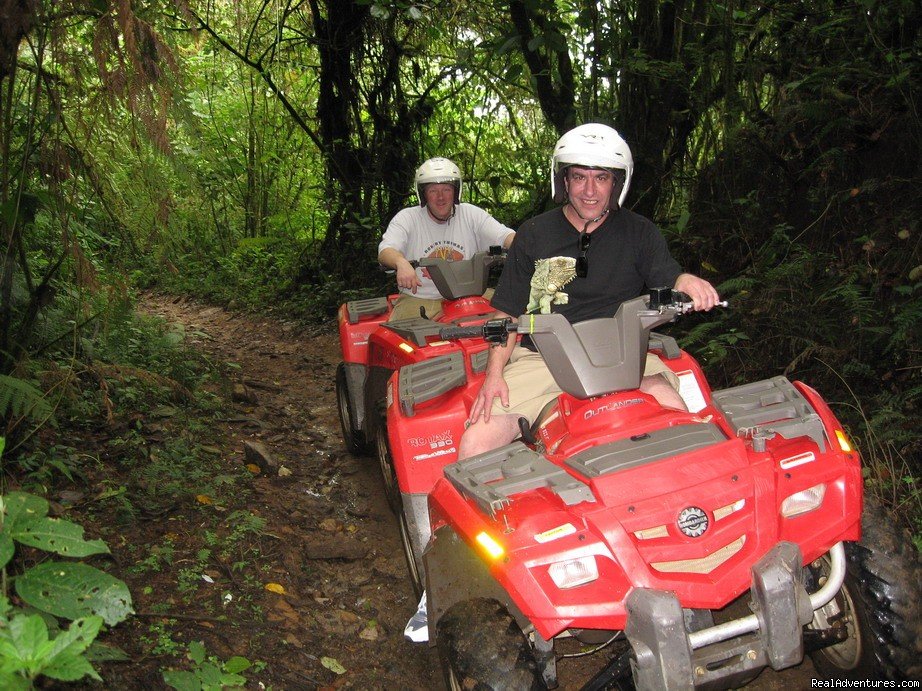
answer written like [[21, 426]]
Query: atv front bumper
[[666, 657]]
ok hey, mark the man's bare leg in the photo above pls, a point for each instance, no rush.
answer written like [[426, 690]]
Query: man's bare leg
[[657, 386], [486, 436]]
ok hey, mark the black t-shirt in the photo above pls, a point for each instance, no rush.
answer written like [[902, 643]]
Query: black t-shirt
[[627, 254]]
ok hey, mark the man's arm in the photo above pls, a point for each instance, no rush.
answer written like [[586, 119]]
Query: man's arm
[[494, 385], [508, 239], [406, 274]]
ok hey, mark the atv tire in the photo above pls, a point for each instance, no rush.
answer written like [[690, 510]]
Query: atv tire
[[481, 647], [388, 472], [881, 600], [416, 579], [352, 436]]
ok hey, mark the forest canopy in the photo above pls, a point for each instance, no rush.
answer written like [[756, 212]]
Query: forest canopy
[[251, 152]]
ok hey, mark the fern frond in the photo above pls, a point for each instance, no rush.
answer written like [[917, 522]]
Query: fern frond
[[18, 398]]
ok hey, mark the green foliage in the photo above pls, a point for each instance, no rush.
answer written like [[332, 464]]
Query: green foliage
[[27, 652], [71, 590], [208, 673], [19, 398]]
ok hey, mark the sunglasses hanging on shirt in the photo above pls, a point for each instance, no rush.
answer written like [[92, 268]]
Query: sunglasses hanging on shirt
[[582, 261]]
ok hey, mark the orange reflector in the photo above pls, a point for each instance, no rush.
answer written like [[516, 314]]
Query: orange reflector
[[844, 444], [493, 548], [406, 347]]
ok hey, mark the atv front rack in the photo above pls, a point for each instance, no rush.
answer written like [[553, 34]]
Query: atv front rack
[[666, 657], [491, 479]]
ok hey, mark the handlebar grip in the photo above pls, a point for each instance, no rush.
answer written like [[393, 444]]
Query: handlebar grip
[[453, 333]]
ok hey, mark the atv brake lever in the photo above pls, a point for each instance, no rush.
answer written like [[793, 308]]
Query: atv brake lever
[[686, 307]]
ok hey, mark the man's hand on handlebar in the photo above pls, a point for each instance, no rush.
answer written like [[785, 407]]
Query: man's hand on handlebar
[[703, 294]]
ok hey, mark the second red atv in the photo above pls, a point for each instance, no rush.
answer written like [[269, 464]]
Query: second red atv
[[617, 521], [373, 347]]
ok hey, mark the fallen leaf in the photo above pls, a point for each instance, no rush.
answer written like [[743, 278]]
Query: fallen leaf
[[370, 632], [71, 496], [284, 472], [203, 499], [275, 588], [330, 525], [253, 468], [332, 664]]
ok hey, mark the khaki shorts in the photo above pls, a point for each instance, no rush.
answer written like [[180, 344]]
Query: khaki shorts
[[531, 385], [407, 306]]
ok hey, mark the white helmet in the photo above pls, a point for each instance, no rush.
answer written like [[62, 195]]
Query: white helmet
[[437, 170], [591, 146]]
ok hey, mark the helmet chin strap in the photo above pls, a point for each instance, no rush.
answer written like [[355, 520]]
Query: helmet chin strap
[[589, 221], [441, 220]]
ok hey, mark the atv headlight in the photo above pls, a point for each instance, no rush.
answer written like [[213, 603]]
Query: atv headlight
[[569, 574], [803, 501]]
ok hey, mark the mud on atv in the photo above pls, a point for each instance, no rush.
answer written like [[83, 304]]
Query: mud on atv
[[615, 518]]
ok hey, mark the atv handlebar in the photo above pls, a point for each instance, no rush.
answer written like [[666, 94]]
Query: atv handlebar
[[593, 357], [453, 333], [494, 331]]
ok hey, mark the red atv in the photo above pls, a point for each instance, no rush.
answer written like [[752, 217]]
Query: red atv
[[614, 519], [373, 348]]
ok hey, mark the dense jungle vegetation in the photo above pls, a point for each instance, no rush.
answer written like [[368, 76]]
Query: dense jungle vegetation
[[250, 153]]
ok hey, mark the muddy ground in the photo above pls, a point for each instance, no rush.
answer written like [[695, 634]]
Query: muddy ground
[[329, 541]]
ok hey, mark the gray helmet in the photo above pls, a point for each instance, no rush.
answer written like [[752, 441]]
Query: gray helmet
[[437, 170], [592, 146]]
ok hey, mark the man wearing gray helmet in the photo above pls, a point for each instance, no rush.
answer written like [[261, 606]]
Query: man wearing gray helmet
[[440, 226], [614, 254]]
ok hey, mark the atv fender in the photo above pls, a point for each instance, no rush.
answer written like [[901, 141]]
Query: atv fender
[[455, 573]]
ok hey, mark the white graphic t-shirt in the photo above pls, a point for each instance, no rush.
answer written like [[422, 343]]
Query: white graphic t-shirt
[[414, 234]]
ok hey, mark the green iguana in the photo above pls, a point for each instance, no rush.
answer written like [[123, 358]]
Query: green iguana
[[550, 276]]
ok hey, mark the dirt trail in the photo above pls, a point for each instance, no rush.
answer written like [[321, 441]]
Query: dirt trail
[[332, 542]]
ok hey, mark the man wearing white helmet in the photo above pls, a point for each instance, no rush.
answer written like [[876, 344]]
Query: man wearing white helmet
[[618, 254], [440, 226]]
